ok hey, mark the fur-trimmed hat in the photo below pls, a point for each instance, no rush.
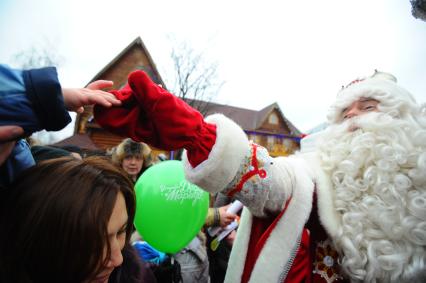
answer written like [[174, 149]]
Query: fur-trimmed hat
[[418, 9], [393, 99], [128, 147]]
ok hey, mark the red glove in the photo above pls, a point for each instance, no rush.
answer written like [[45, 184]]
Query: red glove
[[151, 114]]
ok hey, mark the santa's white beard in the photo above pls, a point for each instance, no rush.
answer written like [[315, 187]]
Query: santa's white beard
[[379, 175]]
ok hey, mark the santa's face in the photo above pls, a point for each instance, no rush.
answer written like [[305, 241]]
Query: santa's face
[[361, 106], [374, 161]]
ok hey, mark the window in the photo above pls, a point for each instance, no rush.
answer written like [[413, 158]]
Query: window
[[270, 141], [288, 143], [273, 119]]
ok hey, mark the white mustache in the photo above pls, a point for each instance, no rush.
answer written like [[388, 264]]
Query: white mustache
[[365, 122]]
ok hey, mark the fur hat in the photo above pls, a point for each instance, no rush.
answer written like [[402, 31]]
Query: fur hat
[[382, 87], [418, 9], [128, 147]]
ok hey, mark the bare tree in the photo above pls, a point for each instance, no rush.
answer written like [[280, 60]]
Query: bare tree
[[195, 79], [38, 57]]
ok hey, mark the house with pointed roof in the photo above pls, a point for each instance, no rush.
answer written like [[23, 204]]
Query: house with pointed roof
[[134, 57], [267, 127]]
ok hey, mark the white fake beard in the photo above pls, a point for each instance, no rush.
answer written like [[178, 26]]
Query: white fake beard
[[378, 172]]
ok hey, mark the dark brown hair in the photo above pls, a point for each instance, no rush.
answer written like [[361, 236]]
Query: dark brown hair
[[55, 217]]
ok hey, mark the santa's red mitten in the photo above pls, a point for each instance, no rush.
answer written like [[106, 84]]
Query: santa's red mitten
[[151, 114]]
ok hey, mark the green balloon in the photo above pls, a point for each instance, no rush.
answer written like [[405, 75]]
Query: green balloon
[[170, 211]]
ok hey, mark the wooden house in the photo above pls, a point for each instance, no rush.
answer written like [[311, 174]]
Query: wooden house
[[133, 57], [267, 127]]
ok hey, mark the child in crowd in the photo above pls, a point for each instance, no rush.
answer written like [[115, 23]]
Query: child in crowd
[[133, 157], [33, 100]]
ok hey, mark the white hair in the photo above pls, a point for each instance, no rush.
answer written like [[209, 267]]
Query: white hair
[[394, 100], [379, 176]]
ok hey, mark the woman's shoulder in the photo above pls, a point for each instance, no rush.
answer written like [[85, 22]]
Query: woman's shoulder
[[133, 269]]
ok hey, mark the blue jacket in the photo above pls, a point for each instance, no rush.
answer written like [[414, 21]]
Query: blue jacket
[[31, 99]]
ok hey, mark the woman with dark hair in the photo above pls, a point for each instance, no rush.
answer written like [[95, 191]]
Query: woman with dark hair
[[66, 220]]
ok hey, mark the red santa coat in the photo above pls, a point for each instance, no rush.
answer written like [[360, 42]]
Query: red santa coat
[[277, 246], [219, 160]]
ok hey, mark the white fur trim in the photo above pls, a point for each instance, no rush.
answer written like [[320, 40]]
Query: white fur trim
[[239, 249], [278, 248], [228, 152], [329, 218], [328, 215], [390, 96]]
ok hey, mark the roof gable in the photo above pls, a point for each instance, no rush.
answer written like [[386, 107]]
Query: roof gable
[[263, 115], [135, 57]]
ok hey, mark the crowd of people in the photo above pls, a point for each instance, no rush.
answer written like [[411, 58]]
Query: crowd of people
[[349, 207], [67, 217]]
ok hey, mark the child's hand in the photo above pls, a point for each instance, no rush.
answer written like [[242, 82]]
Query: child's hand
[[225, 217], [76, 98]]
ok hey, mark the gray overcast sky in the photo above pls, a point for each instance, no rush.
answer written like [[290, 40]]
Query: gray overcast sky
[[296, 53]]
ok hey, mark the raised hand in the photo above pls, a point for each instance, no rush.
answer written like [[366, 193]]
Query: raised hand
[[225, 217], [76, 98]]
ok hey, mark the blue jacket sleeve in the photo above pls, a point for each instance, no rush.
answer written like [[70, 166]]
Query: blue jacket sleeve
[[19, 160], [32, 99]]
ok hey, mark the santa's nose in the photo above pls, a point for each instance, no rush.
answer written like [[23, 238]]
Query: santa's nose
[[352, 112]]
